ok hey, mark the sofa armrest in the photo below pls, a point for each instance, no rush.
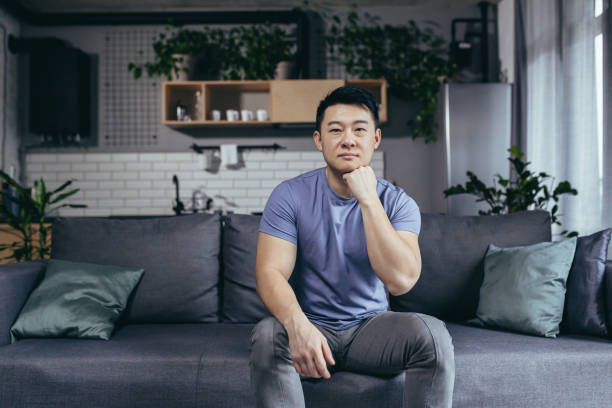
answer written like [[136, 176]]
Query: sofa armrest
[[16, 282], [608, 295]]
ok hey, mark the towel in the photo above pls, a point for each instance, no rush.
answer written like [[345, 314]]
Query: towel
[[203, 160], [229, 154]]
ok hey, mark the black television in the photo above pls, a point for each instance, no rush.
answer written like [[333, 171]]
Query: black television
[[59, 98]]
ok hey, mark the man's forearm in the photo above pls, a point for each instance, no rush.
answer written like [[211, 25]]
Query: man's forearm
[[279, 298], [396, 266]]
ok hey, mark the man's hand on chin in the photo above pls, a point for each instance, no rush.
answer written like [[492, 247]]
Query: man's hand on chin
[[362, 183]]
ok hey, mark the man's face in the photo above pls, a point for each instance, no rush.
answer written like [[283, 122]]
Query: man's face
[[348, 137]]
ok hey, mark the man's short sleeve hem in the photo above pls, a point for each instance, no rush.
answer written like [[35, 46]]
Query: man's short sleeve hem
[[405, 227], [278, 234]]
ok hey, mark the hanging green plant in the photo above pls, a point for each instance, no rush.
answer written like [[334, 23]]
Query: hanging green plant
[[527, 192], [412, 59]]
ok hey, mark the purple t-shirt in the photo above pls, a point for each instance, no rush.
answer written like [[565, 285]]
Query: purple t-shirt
[[333, 280]]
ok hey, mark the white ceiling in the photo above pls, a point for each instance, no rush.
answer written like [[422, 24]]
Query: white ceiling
[[60, 6]]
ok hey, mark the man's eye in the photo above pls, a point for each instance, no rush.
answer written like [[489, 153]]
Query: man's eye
[[335, 130], [360, 130]]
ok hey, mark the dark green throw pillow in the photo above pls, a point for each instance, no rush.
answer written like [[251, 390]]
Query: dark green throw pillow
[[524, 287], [78, 300]]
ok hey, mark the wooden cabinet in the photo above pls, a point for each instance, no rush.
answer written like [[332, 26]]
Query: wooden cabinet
[[8, 235], [286, 101]]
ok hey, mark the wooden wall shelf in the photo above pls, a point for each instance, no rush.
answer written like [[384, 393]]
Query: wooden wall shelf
[[286, 101]]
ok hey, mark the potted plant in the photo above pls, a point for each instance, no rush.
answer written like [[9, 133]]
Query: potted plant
[[255, 52], [26, 211], [529, 191], [180, 54], [241, 53], [412, 59]]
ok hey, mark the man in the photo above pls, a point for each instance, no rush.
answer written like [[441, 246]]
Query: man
[[330, 242]]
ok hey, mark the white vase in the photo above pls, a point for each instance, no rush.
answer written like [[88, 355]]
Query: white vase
[[188, 62], [284, 70]]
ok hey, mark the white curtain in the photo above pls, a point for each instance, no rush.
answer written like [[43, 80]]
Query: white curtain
[[562, 136]]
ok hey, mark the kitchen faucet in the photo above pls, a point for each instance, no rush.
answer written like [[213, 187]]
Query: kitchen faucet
[[179, 206]]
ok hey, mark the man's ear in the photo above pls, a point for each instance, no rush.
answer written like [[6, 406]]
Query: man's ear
[[317, 139], [377, 138]]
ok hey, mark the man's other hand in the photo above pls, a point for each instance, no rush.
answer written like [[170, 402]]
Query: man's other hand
[[362, 183], [309, 351]]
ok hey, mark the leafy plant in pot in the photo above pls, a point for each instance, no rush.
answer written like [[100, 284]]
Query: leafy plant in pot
[[254, 52], [527, 192], [26, 211], [180, 53], [412, 59]]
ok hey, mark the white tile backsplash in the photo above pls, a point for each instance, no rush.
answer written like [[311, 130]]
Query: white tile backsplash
[[141, 183], [111, 166]]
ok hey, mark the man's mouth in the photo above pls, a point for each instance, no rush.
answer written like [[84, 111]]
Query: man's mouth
[[347, 155]]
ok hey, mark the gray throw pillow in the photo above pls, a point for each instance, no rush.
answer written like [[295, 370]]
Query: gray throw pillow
[[78, 300], [180, 255], [585, 302], [524, 287]]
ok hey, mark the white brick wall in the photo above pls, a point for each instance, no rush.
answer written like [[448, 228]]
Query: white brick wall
[[141, 183]]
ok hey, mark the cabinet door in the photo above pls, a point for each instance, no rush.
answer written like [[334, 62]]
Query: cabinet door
[[8, 235], [296, 101]]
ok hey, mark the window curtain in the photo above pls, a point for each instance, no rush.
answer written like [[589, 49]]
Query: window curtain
[[558, 86]]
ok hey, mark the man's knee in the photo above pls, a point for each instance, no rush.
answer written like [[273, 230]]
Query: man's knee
[[440, 341], [264, 339]]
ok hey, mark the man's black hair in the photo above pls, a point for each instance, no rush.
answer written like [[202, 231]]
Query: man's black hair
[[348, 95]]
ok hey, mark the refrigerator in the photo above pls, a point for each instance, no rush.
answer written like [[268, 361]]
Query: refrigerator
[[474, 134]]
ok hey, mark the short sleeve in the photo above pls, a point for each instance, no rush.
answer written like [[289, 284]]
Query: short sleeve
[[406, 215], [279, 217]]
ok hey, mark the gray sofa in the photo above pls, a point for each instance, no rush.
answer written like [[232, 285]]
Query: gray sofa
[[183, 340]]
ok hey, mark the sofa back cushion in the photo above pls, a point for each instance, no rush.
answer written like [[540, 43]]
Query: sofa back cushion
[[179, 255], [240, 301], [452, 255]]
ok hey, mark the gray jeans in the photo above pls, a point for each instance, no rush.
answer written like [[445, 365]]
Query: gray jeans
[[384, 344]]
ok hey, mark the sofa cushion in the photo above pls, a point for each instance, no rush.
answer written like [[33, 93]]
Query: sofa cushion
[[240, 301], [179, 254], [144, 366], [524, 287], [585, 307], [161, 365], [452, 253], [608, 295], [502, 369], [16, 282], [74, 299]]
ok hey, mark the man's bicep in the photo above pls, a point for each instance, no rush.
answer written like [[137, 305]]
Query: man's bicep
[[275, 255]]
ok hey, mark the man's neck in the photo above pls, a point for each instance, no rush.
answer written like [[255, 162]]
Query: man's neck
[[337, 184]]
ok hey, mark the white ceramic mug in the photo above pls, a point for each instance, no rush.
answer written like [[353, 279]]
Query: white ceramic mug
[[246, 115], [216, 115], [231, 115], [262, 115]]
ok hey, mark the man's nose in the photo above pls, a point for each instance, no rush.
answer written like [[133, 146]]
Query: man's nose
[[348, 139]]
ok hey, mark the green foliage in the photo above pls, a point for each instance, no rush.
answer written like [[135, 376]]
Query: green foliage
[[254, 51], [529, 191], [239, 53], [412, 59], [206, 43], [34, 206]]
